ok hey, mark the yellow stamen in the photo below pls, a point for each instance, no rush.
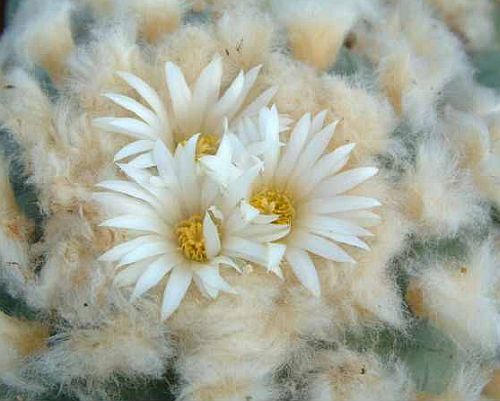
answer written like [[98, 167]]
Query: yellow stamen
[[190, 238], [207, 145], [273, 201]]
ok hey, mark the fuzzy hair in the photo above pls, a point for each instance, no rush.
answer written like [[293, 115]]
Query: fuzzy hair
[[469, 19], [410, 104], [317, 29], [461, 299], [347, 375], [440, 198]]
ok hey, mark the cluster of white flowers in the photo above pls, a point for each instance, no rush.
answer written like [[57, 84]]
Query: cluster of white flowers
[[214, 180]]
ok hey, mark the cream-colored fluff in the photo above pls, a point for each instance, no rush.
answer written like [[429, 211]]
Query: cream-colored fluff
[[156, 18], [87, 359], [348, 375], [317, 29], [245, 38], [416, 57], [460, 300], [347, 101], [439, 198], [492, 389], [14, 227], [18, 340], [470, 19], [476, 138], [47, 48], [233, 360], [410, 104], [465, 385]]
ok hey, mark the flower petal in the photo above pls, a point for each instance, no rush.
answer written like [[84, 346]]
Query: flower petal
[[116, 204], [338, 204], [154, 273], [275, 254], [179, 92], [344, 181], [363, 218], [126, 126], [318, 121], [134, 148], [145, 251], [242, 248], [319, 246], [205, 92], [269, 124], [261, 101], [211, 237], [294, 147], [120, 250], [336, 225], [135, 107], [344, 239], [143, 161], [129, 188], [165, 163], [304, 269], [315, 147], [227, 104], [130, 274], [139, 223], [187, 174], [146, 92], [224, 260], [213, 282], [176, 288], [265, 232], [241, 187], [328, 165]]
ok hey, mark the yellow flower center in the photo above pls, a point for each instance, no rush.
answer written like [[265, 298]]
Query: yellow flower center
[[190, 238], [274, 201], [207, 145]]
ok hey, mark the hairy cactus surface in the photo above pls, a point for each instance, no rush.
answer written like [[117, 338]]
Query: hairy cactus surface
[[235, 200]]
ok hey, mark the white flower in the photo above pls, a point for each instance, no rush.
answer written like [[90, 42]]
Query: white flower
[[197, 110], [184, 224], [303, 185]]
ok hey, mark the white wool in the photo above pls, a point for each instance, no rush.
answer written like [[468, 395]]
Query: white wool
[[492, 390], [317, 29], [466, 384], [235, 359], [416, 57], [246, 38], [86, 359], [474, 138], [466, 95], [14, 231], [375, 297], [34, 43], [347, 101], [459, 299], [412, 93], [470, 19], [25, 110], [155, 18], [92, 68], [365, 294], [440, 196], [352, 376], [13, 227], [18, 340]]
